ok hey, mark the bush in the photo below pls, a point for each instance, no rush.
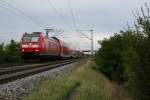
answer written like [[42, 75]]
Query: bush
[[125, 57], [12, 52], [9, 52], [2, 53]]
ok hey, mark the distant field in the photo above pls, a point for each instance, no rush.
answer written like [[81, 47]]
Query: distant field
[[82, 84]]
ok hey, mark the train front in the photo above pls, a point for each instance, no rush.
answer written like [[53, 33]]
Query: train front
[[30, 45]]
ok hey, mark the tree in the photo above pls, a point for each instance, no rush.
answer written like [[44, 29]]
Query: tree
[[2, 53], [12, 52]]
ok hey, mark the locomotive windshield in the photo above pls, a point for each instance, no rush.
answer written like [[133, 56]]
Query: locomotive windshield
[[30, 37]]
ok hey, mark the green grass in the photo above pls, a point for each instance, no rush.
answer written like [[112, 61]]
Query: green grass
[[56, 89], [91, 86]]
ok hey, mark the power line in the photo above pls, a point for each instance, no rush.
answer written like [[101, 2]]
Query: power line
[[79, 31], [72, 14], [59, 14], [19, 11], [22, 13], [7, 8], [15, 13], [74, 20], [61, 11], [29, 13]]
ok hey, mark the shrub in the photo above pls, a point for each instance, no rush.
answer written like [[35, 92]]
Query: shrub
[[9, 52], [125, 57], [2, 53], [12, 52]]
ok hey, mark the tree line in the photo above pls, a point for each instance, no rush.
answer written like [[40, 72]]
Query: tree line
[[10, 52], [125, 57]]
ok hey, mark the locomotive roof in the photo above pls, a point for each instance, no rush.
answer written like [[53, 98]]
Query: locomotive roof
[[32, 34], [62, 42]]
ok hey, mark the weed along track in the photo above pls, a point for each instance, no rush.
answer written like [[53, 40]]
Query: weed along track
[[84, 83], [12, 73]]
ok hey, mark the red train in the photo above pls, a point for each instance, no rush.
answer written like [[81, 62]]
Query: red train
[[37, 45]]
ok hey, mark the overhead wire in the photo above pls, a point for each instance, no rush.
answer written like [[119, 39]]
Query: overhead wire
[[15, 13], [83, 34], [33, 19], [29, 13], [8, 5], [59, 13], [72, 14], [27, 16], [74, 20], [64, 17], [74, 23], [20, 15]]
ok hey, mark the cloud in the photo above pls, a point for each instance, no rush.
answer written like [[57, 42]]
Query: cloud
[[104, 16]]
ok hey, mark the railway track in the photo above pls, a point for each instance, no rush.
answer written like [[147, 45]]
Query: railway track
[[4, 65], [9, 74], [12, 64]]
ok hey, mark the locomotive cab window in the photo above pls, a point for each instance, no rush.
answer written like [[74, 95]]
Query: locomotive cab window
[[34, 39], [30, 38]]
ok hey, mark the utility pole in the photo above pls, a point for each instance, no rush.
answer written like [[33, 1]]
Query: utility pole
[[90, 38], [92, 43]]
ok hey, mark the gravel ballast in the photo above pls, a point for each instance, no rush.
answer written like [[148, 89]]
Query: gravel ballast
[[17, 89]]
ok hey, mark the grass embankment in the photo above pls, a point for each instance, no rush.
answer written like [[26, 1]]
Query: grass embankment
[[91, 86]]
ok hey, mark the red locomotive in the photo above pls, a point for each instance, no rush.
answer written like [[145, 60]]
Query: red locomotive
[[37, 45]]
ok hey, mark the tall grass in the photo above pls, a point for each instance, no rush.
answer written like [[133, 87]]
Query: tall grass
[[91, 86]]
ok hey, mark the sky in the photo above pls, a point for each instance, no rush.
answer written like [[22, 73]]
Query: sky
[[105, 17]]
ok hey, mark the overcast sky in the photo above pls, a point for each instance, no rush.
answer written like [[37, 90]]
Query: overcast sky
[[104, 16]]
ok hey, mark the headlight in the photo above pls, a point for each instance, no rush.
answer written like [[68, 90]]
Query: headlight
[[25, 46], [37, 50], [35, 46]]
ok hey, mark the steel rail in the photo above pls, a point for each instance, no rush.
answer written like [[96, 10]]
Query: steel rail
[[24, 73], [8, 70]]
